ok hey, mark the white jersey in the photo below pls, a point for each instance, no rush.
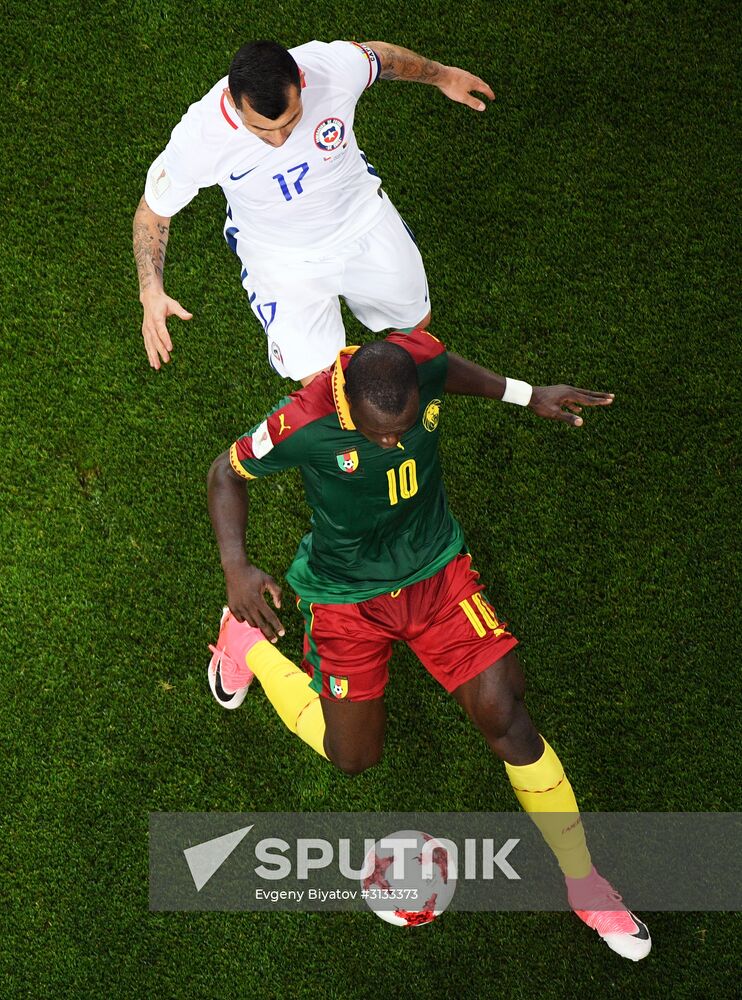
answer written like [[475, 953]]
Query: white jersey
[[306, 196]]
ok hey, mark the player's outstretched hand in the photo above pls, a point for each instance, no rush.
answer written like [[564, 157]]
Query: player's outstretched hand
[[246, 587], [157, 340], [564, 402], [458, 85]]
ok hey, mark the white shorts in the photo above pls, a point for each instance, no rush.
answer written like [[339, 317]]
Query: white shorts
[[381, 276]]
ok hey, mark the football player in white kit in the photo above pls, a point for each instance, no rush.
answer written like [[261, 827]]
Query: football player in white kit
[[305, 211]]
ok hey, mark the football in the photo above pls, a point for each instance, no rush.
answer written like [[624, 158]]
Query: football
[[408, 879]]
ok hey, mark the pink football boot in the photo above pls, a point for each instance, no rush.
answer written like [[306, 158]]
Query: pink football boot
[[229, 675], [597, 904]]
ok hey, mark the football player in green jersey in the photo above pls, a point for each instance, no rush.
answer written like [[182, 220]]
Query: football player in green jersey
[[385, 560]]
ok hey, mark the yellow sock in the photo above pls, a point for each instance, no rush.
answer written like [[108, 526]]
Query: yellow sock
[[543, 788], [287, 689]]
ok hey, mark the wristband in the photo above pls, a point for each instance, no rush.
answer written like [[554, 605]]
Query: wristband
[[517, 392]]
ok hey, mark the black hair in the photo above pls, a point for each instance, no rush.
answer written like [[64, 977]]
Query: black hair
[[383, 375], [263, 73]]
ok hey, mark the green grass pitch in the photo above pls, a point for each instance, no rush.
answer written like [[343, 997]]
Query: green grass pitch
[[582, 230]]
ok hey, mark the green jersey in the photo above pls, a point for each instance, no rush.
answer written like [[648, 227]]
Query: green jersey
[[380, 517]]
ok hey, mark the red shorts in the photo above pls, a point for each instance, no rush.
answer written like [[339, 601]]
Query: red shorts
[[445, 620]]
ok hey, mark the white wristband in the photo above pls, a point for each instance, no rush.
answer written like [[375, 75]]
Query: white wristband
[[517, 392]]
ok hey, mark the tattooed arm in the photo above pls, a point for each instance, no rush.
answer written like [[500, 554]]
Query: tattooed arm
[[402, 64], [151, 233]]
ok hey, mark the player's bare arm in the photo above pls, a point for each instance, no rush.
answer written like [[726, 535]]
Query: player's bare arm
[[554, 402], [151, 232], [398, 63], [246, 584]]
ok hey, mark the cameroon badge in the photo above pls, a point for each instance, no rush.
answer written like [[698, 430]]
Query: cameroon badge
[[432, 414], [338, 686], [348, 461]]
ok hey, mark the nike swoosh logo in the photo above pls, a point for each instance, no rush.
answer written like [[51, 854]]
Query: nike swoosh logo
[[240, 176], [221, 694]]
